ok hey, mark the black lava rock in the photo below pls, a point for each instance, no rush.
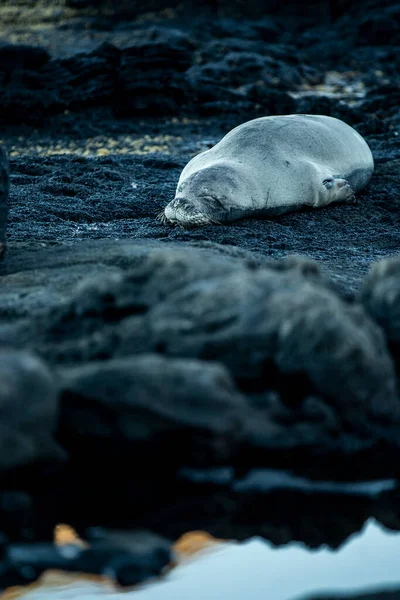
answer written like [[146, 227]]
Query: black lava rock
[[150, 76], [381, 297], [28, 411], [22, 57], [380, 28], [126, 565], [169, 406]]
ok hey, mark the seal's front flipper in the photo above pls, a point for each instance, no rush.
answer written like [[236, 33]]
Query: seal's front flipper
[[339, 190]]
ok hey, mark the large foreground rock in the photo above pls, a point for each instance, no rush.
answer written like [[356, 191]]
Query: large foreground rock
[[28, 411], [183, 410], [274, 325], [263, 321], [381, 296]]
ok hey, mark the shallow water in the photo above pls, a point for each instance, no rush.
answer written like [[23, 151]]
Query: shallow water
[[267, 480], [255, 570]]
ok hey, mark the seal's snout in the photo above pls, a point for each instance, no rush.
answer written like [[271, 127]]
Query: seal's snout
[[183, 212], [180, 205]]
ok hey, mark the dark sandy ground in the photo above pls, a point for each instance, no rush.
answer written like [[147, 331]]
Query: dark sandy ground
[[67, 188]]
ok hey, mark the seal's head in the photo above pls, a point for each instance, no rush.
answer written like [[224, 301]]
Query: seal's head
[[336, 189], [204, 197]]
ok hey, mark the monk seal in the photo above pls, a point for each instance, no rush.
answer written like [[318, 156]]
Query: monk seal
[[4, 189], [270, 166]]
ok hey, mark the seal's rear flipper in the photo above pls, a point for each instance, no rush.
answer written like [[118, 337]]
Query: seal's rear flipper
[[339, 190]]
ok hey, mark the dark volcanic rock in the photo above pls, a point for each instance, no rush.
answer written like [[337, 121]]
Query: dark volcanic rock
[[129, 560], [133, 540], [33, 92], [323, 105], [126, 564], [252, 9], [22, 57], [381, 297], [270, 101], [173, 406], [266, 29], [38, 280], [4, 189], [382, 594], [150, 76], [208, 349], [86, 79], [233, 62], [380, 27], [264, 324], [29, 411], [249, 319], [161, 72], [383, 99], [309, 364], [17, 515]]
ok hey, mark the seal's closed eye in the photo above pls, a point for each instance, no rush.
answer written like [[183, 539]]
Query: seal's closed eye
[[328, 183]]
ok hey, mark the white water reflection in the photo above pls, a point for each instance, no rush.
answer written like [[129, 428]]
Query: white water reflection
[[255, 570]]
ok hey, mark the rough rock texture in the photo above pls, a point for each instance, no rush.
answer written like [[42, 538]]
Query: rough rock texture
[[215, 64], [29, 411], [384, 594], [309, 363], [150, 75], [247, 319], [159, 74], [255, 321], [175, 408], [235, 7], [35, 90], [381, 297], [36, 280], [126, 560]]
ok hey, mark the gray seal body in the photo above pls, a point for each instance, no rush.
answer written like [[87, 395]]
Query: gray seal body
[[269, 166]]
